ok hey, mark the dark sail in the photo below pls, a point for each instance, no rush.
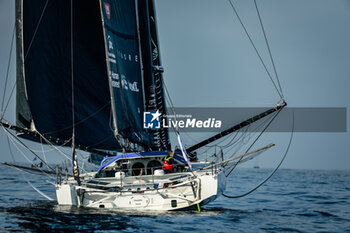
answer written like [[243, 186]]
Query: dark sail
[[44, 91], [23, 114], [154, 93], [164, 142], [122, 45], [114, 82]]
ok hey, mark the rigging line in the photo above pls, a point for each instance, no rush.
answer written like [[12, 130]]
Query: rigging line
[[272, 173], [264, 129], [262, 149], [256, 140], [231, 142], [8, 102], [8, 142], [242, 141], [42, 149], [169, 99], [48, 142], [28, 148], [54, 147], [239, 143], [13, 166], [208, 147], [249, 132], [74, 154], [268, 46], [36, 30], [256, 50], [189, 136], [8, 68], [224, 139], [253, 142], [57, 150], [241, 137], [196, 141], [36, 189], [72, 72], [22, 153], [81, 121], [183, 149]]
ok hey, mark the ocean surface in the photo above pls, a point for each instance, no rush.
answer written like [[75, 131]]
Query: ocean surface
[[291, 201]]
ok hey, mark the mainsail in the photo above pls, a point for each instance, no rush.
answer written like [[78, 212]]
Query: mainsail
[[102, 44]]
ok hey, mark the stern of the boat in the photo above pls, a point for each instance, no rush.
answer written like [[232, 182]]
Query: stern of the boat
[[212, 186], [66, 194]]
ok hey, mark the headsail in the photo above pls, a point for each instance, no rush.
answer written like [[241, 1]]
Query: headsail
[[124, 65], [132, 49]]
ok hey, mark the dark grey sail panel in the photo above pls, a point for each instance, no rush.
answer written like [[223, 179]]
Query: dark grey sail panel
[[154, 90], [158, 77], [122, 45], [48, 69], [23, 114]]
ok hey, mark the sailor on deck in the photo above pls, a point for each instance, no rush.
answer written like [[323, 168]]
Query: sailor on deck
[[168, 166]]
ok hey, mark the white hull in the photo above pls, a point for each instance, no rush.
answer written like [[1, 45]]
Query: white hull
[[166, 192]]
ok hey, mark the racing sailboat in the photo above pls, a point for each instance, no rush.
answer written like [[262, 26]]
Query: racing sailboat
[[89, 76]]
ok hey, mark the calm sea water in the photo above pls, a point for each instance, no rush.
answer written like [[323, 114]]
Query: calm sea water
[[292, 201]]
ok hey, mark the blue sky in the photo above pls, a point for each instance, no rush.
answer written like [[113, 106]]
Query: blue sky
[[209, 62]]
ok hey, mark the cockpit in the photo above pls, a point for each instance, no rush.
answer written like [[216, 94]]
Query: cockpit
[[135, 164]]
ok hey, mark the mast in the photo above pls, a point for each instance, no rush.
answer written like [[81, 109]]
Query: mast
[[146, 49], [152, 70], [236, 127], [140, 52], [74, 154], [109, 73], [158, 78]]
